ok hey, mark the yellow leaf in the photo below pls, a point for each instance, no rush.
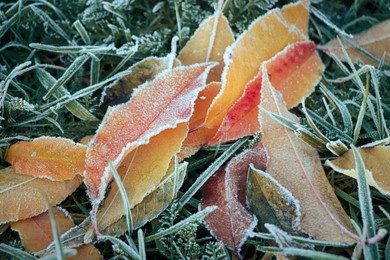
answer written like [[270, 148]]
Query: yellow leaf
[[377, 162], [208, 44], [21, 195], [375, 40], [264, 38], [48, 157], [297, 167]]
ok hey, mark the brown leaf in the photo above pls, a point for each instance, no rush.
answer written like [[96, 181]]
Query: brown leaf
[[231, 221], [21, 195], [54, 158], [377, 162], [145, 70], [36, 233], [297, 167], [375, 40]]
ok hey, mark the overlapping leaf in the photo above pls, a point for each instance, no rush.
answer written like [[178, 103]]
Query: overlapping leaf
[[376, 161], [208, 44], [231, 222], [155, 106], [48, 157], [24, 193], [297, 167], [146, 70], [375, 41], [265, 37], [36, 233], [294, 72]]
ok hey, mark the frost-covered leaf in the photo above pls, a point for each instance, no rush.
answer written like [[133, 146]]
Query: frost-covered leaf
[[21, 195], [271, 202], [375, 40], [265, 37], [297, 167], [36, 233], [376, 161], [208, 44], [48, 157], [146, 70], [141, 172], [294, 72], [161, 104], [231, 222], [297, 14]]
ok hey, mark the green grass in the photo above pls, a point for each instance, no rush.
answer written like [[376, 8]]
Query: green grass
[[51, 85]]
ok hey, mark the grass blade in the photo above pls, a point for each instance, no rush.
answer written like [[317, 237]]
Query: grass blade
[[16, 252], [141, 245], [301, 252]]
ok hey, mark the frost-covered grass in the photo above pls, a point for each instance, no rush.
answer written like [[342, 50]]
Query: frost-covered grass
[[80, 46]]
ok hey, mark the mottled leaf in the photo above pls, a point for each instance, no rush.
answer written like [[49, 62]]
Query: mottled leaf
[[155, 106], [231, 222], [297, 167], [375, 40], [36, 233], [208, 44], [376, 161], [21, 195], [265, 37], [294, 72], [146, 70], [48, 157], [271, 202]]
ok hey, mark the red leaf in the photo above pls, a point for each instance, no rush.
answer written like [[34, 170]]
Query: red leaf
[[231, 222]]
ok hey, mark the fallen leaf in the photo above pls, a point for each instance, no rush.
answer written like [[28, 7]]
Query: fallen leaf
[[141, 172], [24, 193], [375, 40], [231, 222], [54, 158], [294, 72], [265, 37], [208, 44], [271, 202], [377, 162], [187, 151], [161, 104], [297, 14], [86, 140], [198, 134], [149, 208], [297, 167], [36, 233], [145, 70]]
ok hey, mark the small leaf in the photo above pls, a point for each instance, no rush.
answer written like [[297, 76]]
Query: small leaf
[[231, 222], [244, 57], [24, 194], [36, 233], [272, 203], [54, 158], [208, 44], [375, 41], [297, 167], [294, 72], [155, 106], [376, 161], [121, 90]]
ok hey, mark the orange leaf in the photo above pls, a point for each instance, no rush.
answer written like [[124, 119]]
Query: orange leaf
[[155, 106], [48, 157], [24, 193], [297, 14], [141, 172], [36, 233], [231, 221], [375, 40], [265, 37], [297, 167], [294, 72], [208, 44]]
